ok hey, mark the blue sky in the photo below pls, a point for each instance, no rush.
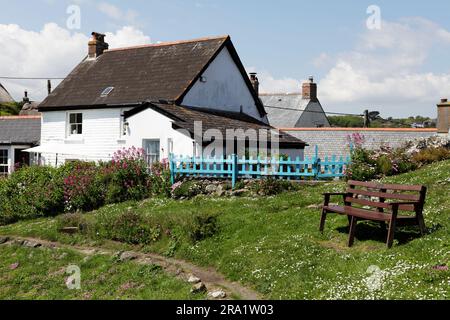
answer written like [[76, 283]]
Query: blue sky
[[285, 41]]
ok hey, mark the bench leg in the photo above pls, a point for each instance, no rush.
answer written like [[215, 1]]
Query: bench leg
[[351, 235], [391, 232], [322, 220], [421, 222]]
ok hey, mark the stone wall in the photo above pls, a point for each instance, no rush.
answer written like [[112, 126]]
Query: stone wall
[[334, 141]]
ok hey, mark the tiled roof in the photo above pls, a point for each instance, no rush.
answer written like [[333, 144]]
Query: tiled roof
[[185, 117], [164, 71], [20, 130]]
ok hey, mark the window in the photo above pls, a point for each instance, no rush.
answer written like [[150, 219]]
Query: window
[[4, 170], [75, 124], [152, 153], [106, 92]]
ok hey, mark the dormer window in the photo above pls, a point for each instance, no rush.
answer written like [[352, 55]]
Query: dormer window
[[75, 124]]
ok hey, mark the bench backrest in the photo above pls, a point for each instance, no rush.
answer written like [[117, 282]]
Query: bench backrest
[[362, 193]]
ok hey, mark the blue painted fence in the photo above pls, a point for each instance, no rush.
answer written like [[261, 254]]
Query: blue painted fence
[[235, 168]]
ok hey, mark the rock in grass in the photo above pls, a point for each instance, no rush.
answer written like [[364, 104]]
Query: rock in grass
[[14, 266], [198, 288], [31, 244], [4, 240], [211, 188], [128, 256], [193, 279], [217, 294]]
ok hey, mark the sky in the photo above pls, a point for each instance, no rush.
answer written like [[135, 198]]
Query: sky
[[387, 56]]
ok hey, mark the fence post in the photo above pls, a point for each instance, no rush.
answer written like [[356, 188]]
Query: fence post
[[234, 170], [172, 169]]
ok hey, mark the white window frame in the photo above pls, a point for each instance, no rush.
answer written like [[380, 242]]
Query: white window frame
[[5, 165], [69, 124]]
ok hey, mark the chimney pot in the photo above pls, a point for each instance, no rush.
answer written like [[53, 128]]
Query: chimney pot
[[255, 82], [97, 45]]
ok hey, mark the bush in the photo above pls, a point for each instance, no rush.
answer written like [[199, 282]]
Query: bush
[[203, 226], [431, 155], [187, 189], [83, 188], [129, 227], [271, 186], [160, 183], [31, 192], [126, 177]]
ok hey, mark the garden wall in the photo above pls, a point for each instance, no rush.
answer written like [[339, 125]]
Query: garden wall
[[335, 141]]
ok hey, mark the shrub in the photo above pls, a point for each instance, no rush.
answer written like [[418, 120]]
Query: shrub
[[160, 183], [202, 227], [83, 188], [129, 227], [31, 192], [431, 155], [126, 177], [187, 189]]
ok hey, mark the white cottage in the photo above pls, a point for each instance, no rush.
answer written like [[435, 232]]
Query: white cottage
[[153, 96]]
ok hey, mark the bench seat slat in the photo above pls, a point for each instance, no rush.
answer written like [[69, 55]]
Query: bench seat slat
[[375, 185], [375, 204], [385, 195], [360, 213]]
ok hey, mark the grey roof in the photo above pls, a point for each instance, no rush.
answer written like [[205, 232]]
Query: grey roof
[[287, 110], [20, 130], [4, 95], [282, 118]]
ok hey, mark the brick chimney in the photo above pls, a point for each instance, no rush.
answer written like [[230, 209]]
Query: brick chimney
[[97, 45], [309, 89], [255, 82], [443, 121]]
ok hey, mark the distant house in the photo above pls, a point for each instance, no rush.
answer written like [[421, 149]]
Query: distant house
[[29, 108], [154, 97], [5, 97], [16, 135], [295, 110]]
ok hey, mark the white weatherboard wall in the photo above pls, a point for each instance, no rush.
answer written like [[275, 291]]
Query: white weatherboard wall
[[101, 136], [150, 125], [224, 89]]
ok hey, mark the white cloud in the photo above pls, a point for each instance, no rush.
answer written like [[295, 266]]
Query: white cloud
[[384, 71], [129, 16], [50, 52]]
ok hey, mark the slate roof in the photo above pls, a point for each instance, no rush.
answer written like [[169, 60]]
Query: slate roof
[[283, 118], [20, 130], [5, 97], [184, 118], [155, 72]]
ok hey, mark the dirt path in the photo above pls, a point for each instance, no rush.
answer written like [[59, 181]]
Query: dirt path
[[179, 268]]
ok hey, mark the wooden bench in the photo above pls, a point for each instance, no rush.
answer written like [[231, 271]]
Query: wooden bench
[[378, 202]]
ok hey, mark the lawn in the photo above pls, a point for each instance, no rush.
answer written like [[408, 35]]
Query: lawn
[[27, 273], [272, 244]]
